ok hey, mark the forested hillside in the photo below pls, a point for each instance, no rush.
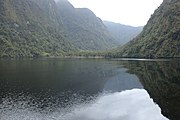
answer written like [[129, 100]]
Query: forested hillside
[[30, 28], [122, 33], [160, 38], [85, 30]]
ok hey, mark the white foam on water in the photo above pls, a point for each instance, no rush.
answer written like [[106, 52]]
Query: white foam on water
[[127, 105]]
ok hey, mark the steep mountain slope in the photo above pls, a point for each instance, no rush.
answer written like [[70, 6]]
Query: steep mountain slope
[[160, 37], [86, 31], [122, 33], [31, 28]]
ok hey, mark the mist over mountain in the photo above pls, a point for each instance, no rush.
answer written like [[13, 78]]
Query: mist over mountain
[[160, 37], [122, 33]]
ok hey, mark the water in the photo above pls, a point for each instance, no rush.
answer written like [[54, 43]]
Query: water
[[89, 89]]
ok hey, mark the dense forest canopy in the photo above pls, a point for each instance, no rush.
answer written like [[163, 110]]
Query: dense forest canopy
[[30, 28], [160, 38]]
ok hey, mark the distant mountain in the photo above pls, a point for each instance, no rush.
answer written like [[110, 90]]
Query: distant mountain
[[85, 30], [160, 38], [31, 28], [122, 33]]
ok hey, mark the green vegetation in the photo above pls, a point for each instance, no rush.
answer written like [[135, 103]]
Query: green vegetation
[[159, 38], [86, 31], [31, 28], [162, 82], [26, 31], [87, 54], [122, 33]]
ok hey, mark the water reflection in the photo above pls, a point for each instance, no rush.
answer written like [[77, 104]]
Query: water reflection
[[162, 81], [127, 105], [122, 81], [53, 81], [78, 89]]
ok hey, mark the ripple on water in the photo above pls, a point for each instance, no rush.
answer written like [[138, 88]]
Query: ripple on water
[[127, 105]]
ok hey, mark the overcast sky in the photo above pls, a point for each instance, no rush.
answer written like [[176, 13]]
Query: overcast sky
[[129, 12]]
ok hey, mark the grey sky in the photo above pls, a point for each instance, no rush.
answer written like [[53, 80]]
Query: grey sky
[[129, 12]]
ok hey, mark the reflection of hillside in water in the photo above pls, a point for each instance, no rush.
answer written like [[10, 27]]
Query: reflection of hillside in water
[[50, 83], [162, 81], [122, 81]]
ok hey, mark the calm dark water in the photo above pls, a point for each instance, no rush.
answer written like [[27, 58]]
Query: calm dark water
[[89, 89]]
